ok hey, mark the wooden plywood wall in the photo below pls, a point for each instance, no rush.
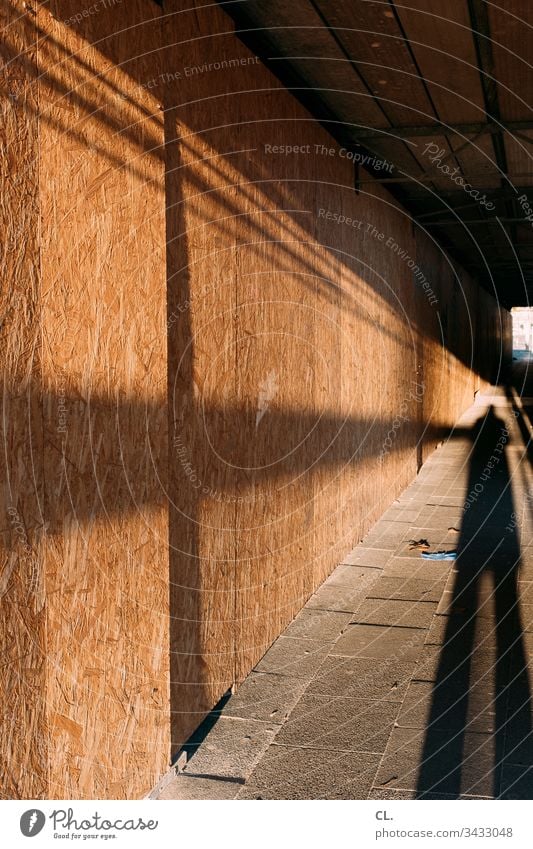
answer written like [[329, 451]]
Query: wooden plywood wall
[[23, 741], [295, 338], [205, 359], [104, 372]]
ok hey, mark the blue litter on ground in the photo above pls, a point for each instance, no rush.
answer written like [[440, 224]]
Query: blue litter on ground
[[439, 555]]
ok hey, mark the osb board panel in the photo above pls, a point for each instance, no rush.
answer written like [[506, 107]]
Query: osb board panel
[[288, 316], [444, 395], [23, 741], [494, 339], [226, 224], [201, 391], [204, 424], [332, 180], [299, 340], [466, 341], [380, 319], [101, 178], [287, 433], [394, 255]]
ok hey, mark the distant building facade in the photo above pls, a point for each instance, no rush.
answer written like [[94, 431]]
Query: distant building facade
[[522, 328]]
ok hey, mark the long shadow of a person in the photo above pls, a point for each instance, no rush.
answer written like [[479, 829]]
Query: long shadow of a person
[[480, 715]]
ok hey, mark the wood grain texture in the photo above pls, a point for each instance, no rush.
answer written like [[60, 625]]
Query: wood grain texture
[[310, 371], [201, 386], [23, 738], [222, 364], [101, 176]]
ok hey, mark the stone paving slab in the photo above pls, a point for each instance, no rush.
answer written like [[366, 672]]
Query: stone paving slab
[[453, 763], [452, 483], [187, 787], [374, 557], [400, 513], [517, 782], [341, 598], [380, 642], [481, 604], [385, 526], [485, 550], [231, 748], [419, 490], [438, 541], [408, 589], [458, 624], [432, 662], [526, 641], [484, 601], [293, 657], [526, 557], [416, 567], [339, 724], [322, 625], [525, 533], [525, 570], [450, 501], [265, 697], [448, 707], [526, 617], [383, 543], [518, 745], [390, 795], [406, 614], [362, 678], [387, 537], [293, 773], [355, 577], [440, 517], [416, 499]]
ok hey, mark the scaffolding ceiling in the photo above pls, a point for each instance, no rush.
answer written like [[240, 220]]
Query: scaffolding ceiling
[[441, 90]]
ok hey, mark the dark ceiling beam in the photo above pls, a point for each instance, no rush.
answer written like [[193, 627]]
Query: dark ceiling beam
[[476, 222], [442, 129], [504, 194], [479, 17], [520, 249], [489, 191]]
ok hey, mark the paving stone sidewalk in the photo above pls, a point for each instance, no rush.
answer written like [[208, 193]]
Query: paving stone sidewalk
[[401, 677]]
